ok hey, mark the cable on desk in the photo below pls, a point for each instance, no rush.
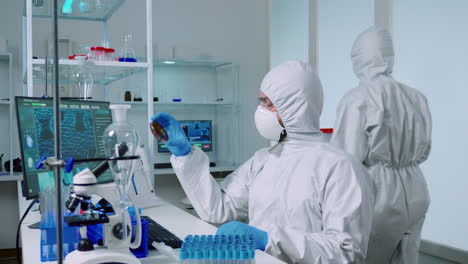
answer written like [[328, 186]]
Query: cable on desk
[[18, 255]]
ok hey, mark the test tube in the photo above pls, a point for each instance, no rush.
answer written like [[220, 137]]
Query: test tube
[[220, 256], [251, 253], [244, 257], [228, 255], [197, 256], [183, 256], [213, 256]]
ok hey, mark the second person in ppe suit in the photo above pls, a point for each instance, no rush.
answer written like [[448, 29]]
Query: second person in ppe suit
[[306, 201], [387, 126]]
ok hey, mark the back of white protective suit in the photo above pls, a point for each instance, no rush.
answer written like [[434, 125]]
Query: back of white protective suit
[[314, 201], [387, 126]]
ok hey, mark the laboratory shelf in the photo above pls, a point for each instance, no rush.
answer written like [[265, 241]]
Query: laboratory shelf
[[105, 72], [220, 166], [186, 63], [17, 176], [101, 12]]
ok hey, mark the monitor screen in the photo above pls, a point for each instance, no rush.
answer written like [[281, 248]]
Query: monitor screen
[[82, 126], [198, 133]]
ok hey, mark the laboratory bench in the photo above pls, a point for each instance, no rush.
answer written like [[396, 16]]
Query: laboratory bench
[[172, 218]]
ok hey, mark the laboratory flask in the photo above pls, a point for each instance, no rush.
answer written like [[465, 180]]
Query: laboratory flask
[[82, 79]]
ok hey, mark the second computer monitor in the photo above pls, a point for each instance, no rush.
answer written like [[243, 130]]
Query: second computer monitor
[[82, 126], [198, 132]]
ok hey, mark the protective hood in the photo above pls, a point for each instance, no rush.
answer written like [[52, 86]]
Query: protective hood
[[372, 53], [296, 91]]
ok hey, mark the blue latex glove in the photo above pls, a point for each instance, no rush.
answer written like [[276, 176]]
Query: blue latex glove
[[239, 228], [177, 143]]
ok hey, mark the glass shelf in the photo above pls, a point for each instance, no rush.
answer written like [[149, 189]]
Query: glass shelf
[[42, 8], [106, 71], [187, 63]]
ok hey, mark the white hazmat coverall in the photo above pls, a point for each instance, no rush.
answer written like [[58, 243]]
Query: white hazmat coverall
[[314, 201], [387, 126]]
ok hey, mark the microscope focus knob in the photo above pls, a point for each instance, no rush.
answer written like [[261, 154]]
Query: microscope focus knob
[[85, 245], [117, 231]]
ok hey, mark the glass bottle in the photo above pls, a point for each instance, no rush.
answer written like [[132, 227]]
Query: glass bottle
[[82, 79], [127, 96]]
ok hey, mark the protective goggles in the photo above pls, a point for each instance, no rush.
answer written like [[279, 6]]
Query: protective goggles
[[265, 102]]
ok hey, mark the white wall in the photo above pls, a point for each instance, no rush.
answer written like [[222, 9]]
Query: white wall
[[289, 31], [235, 31], [340, 21], [431, 50]]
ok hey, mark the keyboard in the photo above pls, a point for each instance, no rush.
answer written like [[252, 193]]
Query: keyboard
[[158, 233]]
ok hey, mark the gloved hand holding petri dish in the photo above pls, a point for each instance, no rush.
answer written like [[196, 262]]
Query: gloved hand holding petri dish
[[168, 131], [158, 132]]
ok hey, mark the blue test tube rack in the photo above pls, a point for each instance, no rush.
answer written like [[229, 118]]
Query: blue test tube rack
[[218, 249]]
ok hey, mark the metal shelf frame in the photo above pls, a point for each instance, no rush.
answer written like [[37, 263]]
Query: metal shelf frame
[[8, 58], [128, 68]]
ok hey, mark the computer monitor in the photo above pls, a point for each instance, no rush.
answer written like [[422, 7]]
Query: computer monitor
[[82, 126], [198, 133]]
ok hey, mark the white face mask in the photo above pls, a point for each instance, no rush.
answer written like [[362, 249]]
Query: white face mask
[[267, 124]]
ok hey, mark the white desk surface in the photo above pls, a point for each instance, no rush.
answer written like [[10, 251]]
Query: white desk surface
[[174, 219]]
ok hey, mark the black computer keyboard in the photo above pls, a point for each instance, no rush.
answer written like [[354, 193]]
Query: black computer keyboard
[[158, 233]]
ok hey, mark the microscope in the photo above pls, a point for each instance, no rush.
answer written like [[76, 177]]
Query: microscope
[[112, 213]]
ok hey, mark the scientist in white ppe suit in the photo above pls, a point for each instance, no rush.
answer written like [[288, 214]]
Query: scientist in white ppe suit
[[306, 201], [387, 126]]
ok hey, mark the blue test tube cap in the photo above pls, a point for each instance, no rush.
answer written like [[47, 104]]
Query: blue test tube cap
[[69, 163], [39, 163]]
